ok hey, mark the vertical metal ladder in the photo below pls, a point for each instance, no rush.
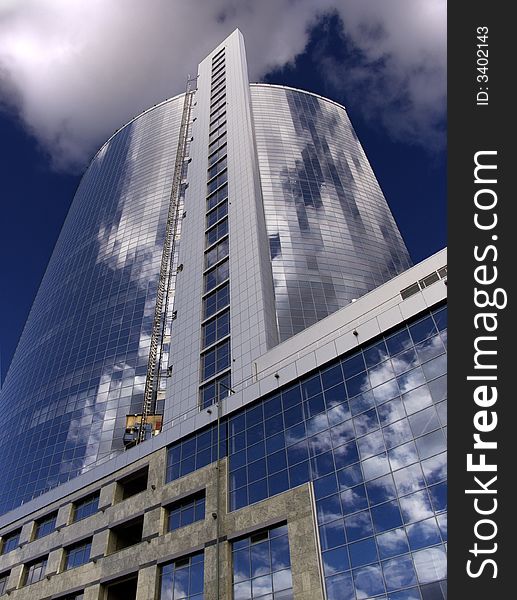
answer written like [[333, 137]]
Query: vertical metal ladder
[[167, 271]]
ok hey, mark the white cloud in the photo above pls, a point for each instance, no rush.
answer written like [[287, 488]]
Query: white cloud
[[430, 564], [398, 74], [75, 70], [416, 507], [393, 541]]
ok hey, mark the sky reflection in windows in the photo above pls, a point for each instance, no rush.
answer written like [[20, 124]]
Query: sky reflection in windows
[[81, 362], [376, 458], [183, 579], [332, 236], [262, 566]]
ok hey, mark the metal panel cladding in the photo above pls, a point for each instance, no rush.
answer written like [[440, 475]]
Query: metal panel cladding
[[331, 234], [81, 361]]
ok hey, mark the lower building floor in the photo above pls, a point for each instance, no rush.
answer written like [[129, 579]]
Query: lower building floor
[[331, 486]]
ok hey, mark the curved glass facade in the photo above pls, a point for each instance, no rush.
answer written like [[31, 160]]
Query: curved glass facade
[[177, 269], [331, 234], [81, 362], [80, 367]]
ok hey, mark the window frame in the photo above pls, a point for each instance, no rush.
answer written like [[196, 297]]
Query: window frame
[[219, 54], [217, 114], [219, 195], [218, 77], [215, 320], [218, 69], [219, 230], [214, 294], [197, 500], [220, 377], [215, 106], [217, 252], [244, 545], [219, 351], [217, 167], [217, 271], [218, 95], [7, 539], [212, 161], [220, 211], [50, 518], [217, 132], [216, 144], [85, 501], [179, 563], [217, 87], [82, 544], [28, 575], [4, 578]]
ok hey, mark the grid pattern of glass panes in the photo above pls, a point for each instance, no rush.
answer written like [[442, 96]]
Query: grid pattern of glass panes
[[216, 329], [186, 511], [45, 526], [35, 571], [369, 431], [215, 339], [195, 452], [86, 507], [10, 541], [332, 236], [182, 579], [262, 566], [78, 555], [80, 366]]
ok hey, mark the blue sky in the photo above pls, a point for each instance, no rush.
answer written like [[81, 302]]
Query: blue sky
[[71, 73]]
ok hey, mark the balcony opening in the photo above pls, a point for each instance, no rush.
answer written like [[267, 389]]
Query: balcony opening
[[126, 534], [122, 589], [133, 484]]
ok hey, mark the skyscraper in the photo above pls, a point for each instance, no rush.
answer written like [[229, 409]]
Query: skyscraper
[[206, 237]]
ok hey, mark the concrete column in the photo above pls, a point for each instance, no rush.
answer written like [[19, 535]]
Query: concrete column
[[225, 574], [54, 562], [153, 523], [305, 568], [146, 588], [15, 577], [93, 592], [100, 544], [64, 516], [107, 495], [27, 532], [157, 463]]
